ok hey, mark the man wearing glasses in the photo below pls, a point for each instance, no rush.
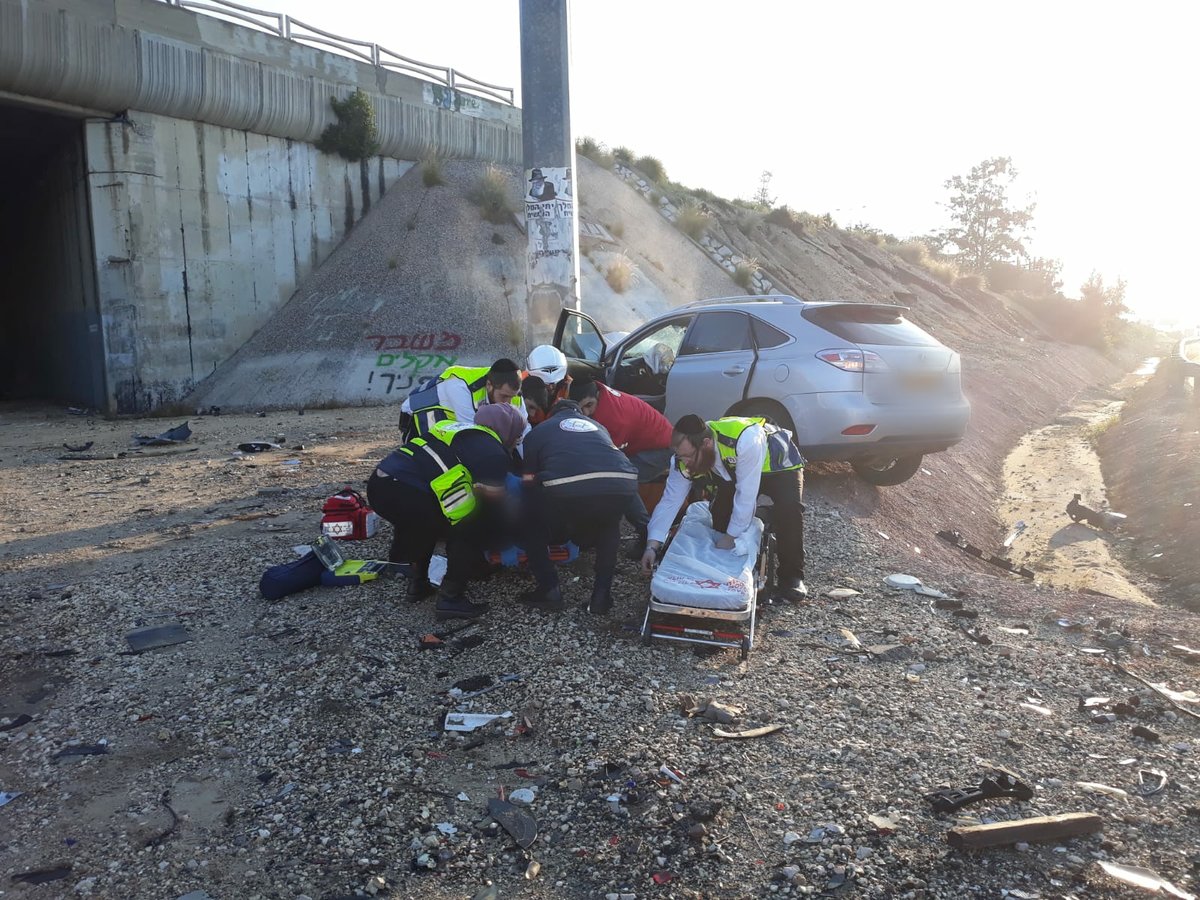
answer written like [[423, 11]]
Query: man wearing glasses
[[739, 458]]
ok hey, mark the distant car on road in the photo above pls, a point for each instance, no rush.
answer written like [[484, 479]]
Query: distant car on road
[[852, 381]]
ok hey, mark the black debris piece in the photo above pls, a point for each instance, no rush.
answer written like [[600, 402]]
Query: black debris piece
[[143, 639], [81, 750], [20, 720], [946, 800], [176, 435], [518, 823], [42, 876]]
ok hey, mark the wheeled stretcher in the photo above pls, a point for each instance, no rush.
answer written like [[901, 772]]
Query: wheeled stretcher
[[703, 595]]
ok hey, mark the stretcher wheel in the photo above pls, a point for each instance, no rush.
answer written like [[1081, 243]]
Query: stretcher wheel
[[745, 652]]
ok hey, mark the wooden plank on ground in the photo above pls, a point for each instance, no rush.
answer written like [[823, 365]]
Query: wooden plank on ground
[[1039, 828]]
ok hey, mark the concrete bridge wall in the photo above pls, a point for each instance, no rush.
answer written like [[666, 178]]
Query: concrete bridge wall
[[202, 233], [194, 196]]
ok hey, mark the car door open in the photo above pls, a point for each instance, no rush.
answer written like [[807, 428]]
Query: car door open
[[713, 368]]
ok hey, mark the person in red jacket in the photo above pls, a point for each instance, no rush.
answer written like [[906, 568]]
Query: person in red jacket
[[637, 429]]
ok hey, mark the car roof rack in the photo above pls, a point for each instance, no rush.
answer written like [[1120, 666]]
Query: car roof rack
[[748, 298]]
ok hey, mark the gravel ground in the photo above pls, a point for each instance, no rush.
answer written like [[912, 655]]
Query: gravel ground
[[295, 749]]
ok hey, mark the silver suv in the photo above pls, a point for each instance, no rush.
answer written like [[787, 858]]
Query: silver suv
[[852, 381]]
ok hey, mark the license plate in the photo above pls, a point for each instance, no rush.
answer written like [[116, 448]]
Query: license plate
[[922, 381]]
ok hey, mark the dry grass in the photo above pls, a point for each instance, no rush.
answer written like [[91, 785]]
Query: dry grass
[[490, 194], [693, 221], [971, 282], [621, 273], [431, 172], [917, 253], [743, 273]]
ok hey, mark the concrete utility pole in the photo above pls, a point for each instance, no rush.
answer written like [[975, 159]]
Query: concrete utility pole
[[552, 259]]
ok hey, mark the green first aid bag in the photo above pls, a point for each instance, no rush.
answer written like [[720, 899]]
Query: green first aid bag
[[454, 489]]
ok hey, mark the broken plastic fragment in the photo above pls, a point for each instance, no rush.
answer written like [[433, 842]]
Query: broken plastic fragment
[[1094, 787], [519, 824], [674, 774], [471, 721], [902, 582], [1144, 878], [8, 796], [662, 877], [446, 828]]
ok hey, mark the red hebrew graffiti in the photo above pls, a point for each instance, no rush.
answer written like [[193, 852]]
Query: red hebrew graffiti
[[430, 340]]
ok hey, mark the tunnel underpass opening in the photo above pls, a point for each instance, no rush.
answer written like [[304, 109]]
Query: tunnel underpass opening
[[51, 344]]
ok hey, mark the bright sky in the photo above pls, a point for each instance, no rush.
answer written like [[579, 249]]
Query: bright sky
[[864, 109]]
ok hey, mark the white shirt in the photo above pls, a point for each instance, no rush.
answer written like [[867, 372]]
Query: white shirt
[[751, 453], [454, 394]]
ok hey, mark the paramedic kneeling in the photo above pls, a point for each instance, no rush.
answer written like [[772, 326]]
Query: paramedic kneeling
[[575, 484], [742, 457], [448, 485]]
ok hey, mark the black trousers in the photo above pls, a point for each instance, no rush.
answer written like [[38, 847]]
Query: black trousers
[[418, 524], [786, 490], [589, 519]]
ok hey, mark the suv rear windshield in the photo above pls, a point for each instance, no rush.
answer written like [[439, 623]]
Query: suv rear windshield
[[861, 323]]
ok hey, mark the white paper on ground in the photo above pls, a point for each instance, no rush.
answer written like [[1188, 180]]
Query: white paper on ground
[[437, 569]]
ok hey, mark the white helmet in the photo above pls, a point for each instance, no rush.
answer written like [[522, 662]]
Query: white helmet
[[547, 363]]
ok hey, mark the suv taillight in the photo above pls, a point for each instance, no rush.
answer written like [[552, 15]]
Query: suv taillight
[[853, 360]]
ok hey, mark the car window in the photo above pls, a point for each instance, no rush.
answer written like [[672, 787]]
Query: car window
[[869, 324], [767, 336], [581, 340], [645, 363], [715, 332]]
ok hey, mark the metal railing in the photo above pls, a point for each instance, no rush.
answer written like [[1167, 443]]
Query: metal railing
[[291, 29]]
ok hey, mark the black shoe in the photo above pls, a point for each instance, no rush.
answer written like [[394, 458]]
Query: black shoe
[[547, 601], [419, 589], [601, 603], [638, 548], [458, 607], [792, 588]]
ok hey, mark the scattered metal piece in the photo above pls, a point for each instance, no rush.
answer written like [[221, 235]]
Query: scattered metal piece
[[1151, 782], [946, 800], [955, 539], [143, 639]]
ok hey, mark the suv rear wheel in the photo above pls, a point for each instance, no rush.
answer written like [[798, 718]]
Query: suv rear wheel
[[887, 472]]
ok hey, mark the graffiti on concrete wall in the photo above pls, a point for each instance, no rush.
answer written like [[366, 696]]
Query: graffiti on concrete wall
[[402, 360]]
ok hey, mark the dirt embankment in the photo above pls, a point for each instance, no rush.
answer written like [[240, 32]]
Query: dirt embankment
[[1151, 462]]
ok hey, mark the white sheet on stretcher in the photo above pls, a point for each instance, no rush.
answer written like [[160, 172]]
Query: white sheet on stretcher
[[695, 573]]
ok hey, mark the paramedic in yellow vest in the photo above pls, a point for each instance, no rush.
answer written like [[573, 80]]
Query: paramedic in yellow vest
[[458, 393], [448, 485], [742, 457]]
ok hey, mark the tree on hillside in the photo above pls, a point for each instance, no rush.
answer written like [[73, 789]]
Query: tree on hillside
[[1103, 306], [987, 227]]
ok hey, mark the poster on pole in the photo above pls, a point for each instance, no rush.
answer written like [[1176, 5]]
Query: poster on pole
[[550, 218]]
